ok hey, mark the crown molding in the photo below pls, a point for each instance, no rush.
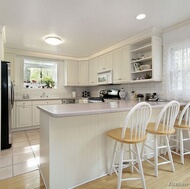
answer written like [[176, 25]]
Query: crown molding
[[41, 55], [147, 33], [177, 26]]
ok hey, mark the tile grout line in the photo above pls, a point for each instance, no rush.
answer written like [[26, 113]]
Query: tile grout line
[[12, 156]]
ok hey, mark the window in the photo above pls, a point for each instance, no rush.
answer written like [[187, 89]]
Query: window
[[40, 73], [177, 72]]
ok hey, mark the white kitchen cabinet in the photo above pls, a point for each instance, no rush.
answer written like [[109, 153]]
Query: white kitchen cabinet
[[23, 114], [76, 73], [83, 73], [71, 69], [26, 113], [121, 65], [36, 112], [146, 60], [93, 70], [105, 62]]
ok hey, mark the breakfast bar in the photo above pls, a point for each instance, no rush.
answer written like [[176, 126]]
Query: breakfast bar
[[74, 148]]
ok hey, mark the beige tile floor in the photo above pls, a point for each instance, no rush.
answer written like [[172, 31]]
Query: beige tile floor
[[23, 156]]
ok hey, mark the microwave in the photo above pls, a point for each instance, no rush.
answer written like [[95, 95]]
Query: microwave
[[105, 77]]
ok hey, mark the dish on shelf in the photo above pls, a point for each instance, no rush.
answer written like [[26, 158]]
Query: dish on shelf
[[145, 67]]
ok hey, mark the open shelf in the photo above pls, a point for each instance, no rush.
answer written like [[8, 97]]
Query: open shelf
[[142, 71]]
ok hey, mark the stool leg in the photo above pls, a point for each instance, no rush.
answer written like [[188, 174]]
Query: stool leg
[[169, 153], [181, 146], [120, 167], [113, 158], [142, 149], [131, 157], [156, 155], [140, 166], [177, 140]]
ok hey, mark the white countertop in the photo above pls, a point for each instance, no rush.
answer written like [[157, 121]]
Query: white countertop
[[49, 98], [66, 110]]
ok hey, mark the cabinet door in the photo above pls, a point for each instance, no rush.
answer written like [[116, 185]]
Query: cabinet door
[[93, 69], [36, 116], [105, 62], [23, 116], [121, 65], [71, 73], [83, 73]]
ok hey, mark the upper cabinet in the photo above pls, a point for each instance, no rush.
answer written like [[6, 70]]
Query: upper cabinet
[[146, 60], [76, 73], [83, 73], [93, 70], [121, 65], [104, 62], [71, 72]]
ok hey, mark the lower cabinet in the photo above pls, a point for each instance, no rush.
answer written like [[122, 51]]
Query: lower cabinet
[[36, 112], [23, 114], [27, 114]]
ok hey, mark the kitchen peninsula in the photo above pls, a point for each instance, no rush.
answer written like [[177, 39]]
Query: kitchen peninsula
[[74, 148]]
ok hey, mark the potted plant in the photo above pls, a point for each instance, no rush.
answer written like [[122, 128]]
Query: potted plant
[[49, 83]]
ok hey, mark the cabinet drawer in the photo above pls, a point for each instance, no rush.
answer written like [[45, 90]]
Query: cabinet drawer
[[24, 103], [44, 102]]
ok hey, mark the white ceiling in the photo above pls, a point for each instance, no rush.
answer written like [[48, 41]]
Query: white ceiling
[[87, 26]]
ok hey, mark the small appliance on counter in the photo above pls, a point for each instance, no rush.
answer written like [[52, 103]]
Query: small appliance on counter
[[85, 94], [151, 97]]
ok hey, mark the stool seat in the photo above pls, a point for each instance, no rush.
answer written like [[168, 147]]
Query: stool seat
[[160, 130], [116, 134], [182, 125]]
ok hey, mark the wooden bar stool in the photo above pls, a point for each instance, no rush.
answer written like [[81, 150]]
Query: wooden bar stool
[[182, 124], [164, 127], [132, 133]]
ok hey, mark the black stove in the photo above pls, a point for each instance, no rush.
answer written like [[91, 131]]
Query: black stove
[[111, 94], [95, 99]]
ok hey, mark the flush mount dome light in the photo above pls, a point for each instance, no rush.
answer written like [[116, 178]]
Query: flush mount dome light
[[140, 16], [53, 40]]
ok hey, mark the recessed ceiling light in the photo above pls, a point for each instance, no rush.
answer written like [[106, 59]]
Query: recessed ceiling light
[[53, 40], [140, 16]]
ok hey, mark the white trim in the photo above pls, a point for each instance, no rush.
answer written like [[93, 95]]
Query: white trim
[[176, 26]]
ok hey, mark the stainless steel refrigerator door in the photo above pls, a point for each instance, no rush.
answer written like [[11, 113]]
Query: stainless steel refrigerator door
[[9, 101], [6, 135]]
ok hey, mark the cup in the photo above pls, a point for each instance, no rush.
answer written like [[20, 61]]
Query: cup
[[74, 94]]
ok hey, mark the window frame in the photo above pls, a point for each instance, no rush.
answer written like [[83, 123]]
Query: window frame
[[57, 85]]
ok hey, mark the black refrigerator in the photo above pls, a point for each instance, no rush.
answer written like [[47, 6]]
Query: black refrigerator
[[7, 101]]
